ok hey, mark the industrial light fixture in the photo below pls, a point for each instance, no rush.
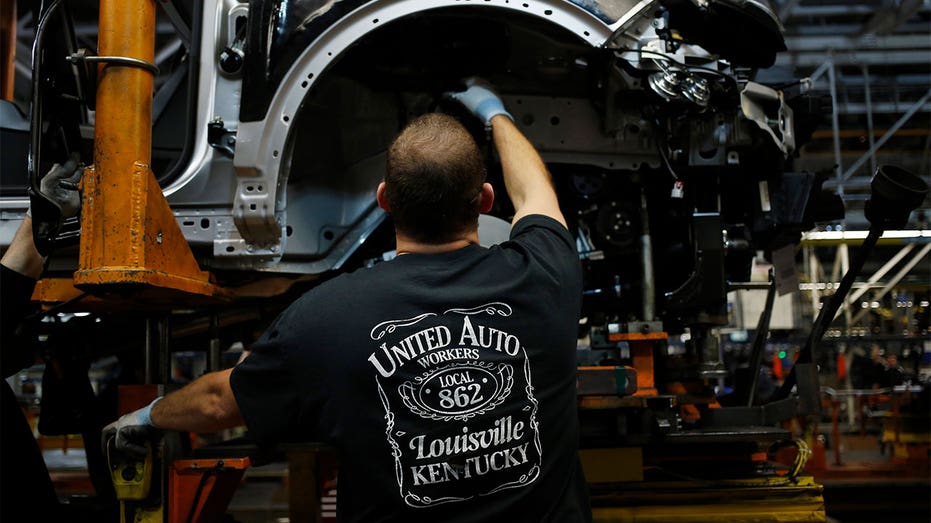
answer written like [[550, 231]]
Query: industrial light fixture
[[860, 235]]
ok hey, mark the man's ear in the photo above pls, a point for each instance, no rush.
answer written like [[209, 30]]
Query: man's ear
[[487, 198], [381, 198]]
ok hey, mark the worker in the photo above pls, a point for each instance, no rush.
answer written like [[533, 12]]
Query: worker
[[894, 374], [25, 485], [875, 373], [444, 377]]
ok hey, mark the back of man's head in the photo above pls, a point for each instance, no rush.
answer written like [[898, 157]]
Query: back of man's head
[[434, 178]]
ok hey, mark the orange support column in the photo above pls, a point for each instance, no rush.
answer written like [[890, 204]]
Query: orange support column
[[7, 49], [130, 239], [641, 355]]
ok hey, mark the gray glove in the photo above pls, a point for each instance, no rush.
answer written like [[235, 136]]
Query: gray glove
[[61, 186], [132, 431], [480, 98]]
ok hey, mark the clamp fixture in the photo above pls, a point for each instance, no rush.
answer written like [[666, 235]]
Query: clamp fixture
[[83, 56]]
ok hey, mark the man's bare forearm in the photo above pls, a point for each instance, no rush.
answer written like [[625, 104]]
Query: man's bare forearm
[[206, 404], [22, 256], [525, 175]]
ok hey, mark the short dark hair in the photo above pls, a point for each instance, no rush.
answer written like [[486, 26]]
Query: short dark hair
[[434, 176]]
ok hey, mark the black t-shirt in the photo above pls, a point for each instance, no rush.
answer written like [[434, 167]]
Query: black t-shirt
[[446, 381], [17, 290], [25, 486]]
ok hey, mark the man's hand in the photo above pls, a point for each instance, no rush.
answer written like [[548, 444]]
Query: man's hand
[[132, 431], [481, 100], [56, 200], [526, 177], [60, 185]]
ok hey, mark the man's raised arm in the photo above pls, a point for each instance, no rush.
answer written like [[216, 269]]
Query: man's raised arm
[[525, 175]]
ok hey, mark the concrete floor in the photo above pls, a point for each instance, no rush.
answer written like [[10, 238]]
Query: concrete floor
[[860, 497]]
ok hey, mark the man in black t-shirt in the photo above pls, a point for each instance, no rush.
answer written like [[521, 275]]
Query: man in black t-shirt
[[445, 377]]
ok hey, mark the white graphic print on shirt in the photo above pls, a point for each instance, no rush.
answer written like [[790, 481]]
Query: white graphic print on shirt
[[464, 423]]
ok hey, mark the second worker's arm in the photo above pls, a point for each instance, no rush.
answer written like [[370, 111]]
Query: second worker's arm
[[206, 404]]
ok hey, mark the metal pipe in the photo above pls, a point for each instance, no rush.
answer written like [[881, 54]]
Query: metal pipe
[[114, 60], [167, 51], [814, 276], [854, 57], [213, 352], [122, 134], [35, 109], [130, 236], [124, 94], [748, 286], [149, 357], [787, 9], [845, 265], [646, 246], [835, 125], [8, 13], [884, 108], [182, 29], [841, 262], [925, 155], [164, 349], [869, 115], [759, 339], [896, 278], [819, 72], [826, 315], [880, 273], [885, 138]]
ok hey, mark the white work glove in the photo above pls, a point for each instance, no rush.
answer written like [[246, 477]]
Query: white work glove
[[60, 185], [480, 99], [132, 431]]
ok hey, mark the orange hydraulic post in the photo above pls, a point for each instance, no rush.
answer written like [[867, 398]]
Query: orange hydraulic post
[[7, 49], [130, 239], [641, 355]]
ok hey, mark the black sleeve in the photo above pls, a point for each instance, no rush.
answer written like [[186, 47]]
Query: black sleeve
[[541, 228], [15, 294], [264, 390], [549, 243]]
